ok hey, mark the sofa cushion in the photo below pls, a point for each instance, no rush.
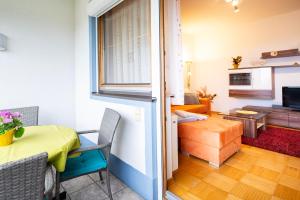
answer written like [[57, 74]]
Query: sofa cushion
[[191, 99], [200, 108], [185, 114]]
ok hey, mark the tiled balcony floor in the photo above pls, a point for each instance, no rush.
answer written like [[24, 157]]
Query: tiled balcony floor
[[89, 187]]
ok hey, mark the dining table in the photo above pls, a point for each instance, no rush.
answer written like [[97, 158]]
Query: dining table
[[57, 141]]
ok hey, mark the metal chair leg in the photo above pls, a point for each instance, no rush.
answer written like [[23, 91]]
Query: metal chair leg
[[108, 184], [57, 186], [101, 177], [49, 196]]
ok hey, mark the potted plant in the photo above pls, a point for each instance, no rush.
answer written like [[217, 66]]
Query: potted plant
[[206, 98], [10, 125], [203, 95], [236, 61]]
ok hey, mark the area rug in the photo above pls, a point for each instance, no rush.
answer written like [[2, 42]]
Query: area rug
[[280, 140]]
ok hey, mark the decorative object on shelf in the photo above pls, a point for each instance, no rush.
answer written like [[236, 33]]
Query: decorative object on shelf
[[257, 63], [189, 73], [202, 93], [3, 42], [236, 62], [234, 4], [274, 53], [280, 54], [246, 112], [10, 125]]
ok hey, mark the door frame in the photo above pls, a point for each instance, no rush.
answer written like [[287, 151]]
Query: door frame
[[163, 96]]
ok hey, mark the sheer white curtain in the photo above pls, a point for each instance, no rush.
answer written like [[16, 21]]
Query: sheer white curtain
[[173, 48], [127, 43]]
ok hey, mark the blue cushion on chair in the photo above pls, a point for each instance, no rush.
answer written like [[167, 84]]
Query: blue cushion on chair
[[87, 162]]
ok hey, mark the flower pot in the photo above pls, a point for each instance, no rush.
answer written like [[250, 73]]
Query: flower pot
[[235, 66], [7, 137], [207, 102], [204, 100]]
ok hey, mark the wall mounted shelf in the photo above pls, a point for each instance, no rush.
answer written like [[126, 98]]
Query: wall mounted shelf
[[280, 54], [252, 94], [275, 66]]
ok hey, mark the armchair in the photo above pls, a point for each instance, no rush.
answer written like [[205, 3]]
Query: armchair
[[25, 179], [92, 158]]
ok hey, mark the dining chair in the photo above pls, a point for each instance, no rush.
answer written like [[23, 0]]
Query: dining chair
[[25, 179], [92, 158], [29, 115]]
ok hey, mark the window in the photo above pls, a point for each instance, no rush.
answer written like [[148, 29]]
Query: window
[[124, 47]]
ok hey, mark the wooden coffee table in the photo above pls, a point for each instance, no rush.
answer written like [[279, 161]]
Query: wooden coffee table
[[251, 122]]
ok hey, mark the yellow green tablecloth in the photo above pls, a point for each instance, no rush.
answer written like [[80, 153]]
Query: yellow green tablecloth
[[57, 141]]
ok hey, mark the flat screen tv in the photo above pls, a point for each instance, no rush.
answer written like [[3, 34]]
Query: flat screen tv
[[291, 97]]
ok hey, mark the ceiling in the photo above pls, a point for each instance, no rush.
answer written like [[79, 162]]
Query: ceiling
[[195, 11]]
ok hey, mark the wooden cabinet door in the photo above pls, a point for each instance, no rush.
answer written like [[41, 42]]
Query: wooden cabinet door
[[294, 120], [278, 119]]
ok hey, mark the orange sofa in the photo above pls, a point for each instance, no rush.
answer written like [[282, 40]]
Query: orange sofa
[[214, 139], [203, 108]]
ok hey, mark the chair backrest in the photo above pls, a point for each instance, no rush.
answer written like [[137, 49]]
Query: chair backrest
[[108, 126], [23, 179], [29, 115]]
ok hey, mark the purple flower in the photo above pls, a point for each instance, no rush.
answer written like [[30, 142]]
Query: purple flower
[[5, 114], [7, 117], [16, 115], [10, 120], [7, 120]]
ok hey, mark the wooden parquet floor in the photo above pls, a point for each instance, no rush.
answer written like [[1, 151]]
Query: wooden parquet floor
[[252, 174]]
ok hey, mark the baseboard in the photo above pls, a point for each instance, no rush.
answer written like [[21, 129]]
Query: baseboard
[[137, 181]]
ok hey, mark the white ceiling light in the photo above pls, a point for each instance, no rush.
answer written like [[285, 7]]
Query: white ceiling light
[[235, 4], [3, 42]]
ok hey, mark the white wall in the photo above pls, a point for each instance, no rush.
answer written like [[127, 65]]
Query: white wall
[[38, 67], [211, 46]]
